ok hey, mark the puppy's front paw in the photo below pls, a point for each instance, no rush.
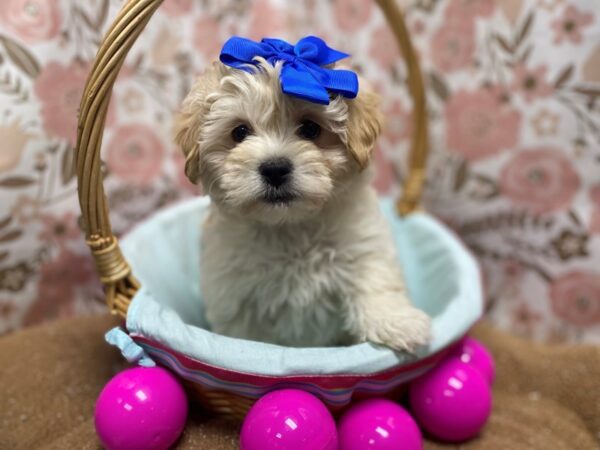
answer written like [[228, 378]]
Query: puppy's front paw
[[406, 328]]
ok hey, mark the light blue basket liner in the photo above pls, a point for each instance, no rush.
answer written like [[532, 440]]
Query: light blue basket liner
[[443, 279]]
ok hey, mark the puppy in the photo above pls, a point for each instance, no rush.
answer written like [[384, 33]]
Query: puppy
[[295, 250]]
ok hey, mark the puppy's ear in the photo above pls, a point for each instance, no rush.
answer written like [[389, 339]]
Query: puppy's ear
[[188, 121], [364, 125]]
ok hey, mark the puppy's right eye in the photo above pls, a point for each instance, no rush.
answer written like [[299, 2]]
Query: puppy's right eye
[[240, 133], [309, 130]]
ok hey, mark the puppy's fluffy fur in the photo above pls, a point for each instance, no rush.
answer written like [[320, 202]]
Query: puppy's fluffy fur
[[318, 266]]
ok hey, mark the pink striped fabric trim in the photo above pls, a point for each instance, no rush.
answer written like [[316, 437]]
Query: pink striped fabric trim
[[336, 390]]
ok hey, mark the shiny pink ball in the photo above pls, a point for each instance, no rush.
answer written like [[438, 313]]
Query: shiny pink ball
[[144, 408], [473, 352], [289, 419], [378, 424], [452, 401]]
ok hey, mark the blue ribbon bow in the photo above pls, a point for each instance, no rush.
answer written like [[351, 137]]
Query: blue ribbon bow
[[302, 74]]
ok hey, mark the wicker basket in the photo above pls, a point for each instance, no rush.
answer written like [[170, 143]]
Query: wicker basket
[[114, 271]]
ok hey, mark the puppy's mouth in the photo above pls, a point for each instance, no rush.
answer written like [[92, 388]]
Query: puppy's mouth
[[278, 197]]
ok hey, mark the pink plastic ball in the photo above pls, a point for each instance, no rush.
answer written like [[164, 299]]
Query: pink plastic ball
[[378, 424], [143, 408], [288, 419], [473, 352], [452, 401]]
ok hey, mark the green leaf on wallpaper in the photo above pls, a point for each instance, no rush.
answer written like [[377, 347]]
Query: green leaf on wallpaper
[[439, 86], [102, 13], [564, 76], [426, 5], [21, 57], [67, 166], [83, 16], [589, 91], [504, 43], [11, 236], [16, 182], [462, 175], [574, 217], [94, 23], [525, 29], [485, 188], [13, 86], [5, 222]]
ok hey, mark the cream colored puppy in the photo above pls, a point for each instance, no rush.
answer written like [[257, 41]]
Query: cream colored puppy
[[295, 250]]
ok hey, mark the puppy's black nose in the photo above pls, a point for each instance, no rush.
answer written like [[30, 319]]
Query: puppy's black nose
[[276, 172]]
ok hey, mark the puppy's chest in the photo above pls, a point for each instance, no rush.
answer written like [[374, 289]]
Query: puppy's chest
[[297, 268]]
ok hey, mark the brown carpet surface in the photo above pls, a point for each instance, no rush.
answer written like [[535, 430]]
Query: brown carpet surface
[[546, 397]]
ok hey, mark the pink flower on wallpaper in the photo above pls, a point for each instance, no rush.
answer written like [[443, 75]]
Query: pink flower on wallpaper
[[595, 218], [135, 154], [511, 9], [512, 270], [207, 37], [162, 51], [351, 15], [525, 319], [540, 179], [59, 279], [479, 125], [133, 101], [545, 122], [575, 297], [398, 123], [469, 9], [59, 229], [59, 90], [266, 20], [569, 27], [384, 48], [417, 26], [176, 8], [384, 172], [531, 82], [452, 47], [31, 20]]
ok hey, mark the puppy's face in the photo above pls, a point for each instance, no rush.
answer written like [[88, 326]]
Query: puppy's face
[[268, 156]]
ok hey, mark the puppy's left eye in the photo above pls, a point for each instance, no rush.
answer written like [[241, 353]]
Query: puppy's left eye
[[309, 130], [241, 132]]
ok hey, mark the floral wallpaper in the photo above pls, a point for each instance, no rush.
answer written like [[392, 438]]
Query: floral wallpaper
[[513, 99]]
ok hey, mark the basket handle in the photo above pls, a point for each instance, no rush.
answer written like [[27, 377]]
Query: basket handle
[[410, 199], [113, 269]]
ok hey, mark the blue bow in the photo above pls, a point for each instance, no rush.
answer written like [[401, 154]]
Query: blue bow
[[302, 74]]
